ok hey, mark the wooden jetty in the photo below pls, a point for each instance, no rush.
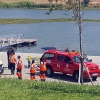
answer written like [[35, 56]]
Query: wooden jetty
[[15, 40]]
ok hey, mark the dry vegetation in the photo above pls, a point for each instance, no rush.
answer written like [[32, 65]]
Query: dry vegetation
[[95, 3], [36, 1], [91, 3]]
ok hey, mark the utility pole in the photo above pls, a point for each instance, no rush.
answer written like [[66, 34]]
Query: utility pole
[[80, 39]]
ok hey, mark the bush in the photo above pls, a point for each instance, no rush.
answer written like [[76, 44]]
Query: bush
[[26, 4], [85, 3]]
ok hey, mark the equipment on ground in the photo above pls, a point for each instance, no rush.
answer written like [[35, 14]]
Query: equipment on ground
[[68, 63], [29, 60]]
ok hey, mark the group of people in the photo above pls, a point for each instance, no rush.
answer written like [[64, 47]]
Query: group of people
[[13, 61], [42, 69]]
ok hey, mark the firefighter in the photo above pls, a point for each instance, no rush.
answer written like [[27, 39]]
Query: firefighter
[[10, 50], [42, 71], [12, 62], [33, 71], [8, 54], [19, 67]]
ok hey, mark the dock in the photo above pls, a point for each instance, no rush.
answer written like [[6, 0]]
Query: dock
[[15, 40]]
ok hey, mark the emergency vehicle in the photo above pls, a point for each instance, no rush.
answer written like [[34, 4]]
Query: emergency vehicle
[[68, 63], [1, 67]]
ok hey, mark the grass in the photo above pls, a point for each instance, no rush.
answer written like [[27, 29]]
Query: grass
[[13, 1], [27, 21], [27, 4], [14, 89]]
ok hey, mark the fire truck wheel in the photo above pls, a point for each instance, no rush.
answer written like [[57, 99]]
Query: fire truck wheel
[[76, 75], [94, 78], [49, 71], [64, 74], [2, 70]]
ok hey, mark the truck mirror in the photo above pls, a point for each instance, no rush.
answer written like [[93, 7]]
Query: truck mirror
[[90, 60]]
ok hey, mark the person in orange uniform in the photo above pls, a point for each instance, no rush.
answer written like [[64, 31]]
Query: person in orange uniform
[[12, 61], [19, 67], [33, 71], [43, 71]]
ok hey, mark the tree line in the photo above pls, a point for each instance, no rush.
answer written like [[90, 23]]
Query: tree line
[[33, 5]]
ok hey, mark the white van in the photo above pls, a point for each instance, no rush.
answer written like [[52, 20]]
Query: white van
[[1, 67]]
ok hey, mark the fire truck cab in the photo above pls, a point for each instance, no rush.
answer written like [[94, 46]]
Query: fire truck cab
[[68, 63]]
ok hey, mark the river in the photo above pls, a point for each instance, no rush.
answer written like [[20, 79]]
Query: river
[[58, 34]]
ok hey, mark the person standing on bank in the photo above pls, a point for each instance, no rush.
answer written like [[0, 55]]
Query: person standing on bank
[[10, 50], [33, 71], [12, 62], [8, 55], [43, 71], [19, 67]]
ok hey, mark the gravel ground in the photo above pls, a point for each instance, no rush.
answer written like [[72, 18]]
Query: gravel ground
[[58, 77]]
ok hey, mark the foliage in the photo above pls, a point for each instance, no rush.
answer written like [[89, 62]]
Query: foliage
[[14, 89], [72, 5], [26, 4], [27, 21], [86, 2]]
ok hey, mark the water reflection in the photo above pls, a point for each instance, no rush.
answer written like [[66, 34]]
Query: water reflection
[[40, 14]]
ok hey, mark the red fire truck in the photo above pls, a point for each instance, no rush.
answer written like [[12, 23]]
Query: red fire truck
[[68, 63]]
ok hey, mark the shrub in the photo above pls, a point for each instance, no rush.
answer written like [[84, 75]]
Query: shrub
[[85, 2]]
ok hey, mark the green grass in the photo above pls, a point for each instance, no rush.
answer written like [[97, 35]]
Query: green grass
[[27, 21], [25, 4], [14, 89]]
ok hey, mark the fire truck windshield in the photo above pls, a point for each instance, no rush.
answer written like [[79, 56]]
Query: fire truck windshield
[[77, 59]]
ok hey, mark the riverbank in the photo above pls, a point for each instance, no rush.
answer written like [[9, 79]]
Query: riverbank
[[27, 21], [58, 77], [7, 73], [3, 57], [40, 4], [26, 75]]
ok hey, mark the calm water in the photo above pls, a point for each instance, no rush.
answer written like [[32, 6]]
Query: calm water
[[58, 34], [40, 14]]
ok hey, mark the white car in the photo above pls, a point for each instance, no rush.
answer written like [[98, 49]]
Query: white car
[[1, 67]]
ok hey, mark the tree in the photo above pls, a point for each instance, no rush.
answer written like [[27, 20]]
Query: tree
[[75, 6], [86, 2]]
